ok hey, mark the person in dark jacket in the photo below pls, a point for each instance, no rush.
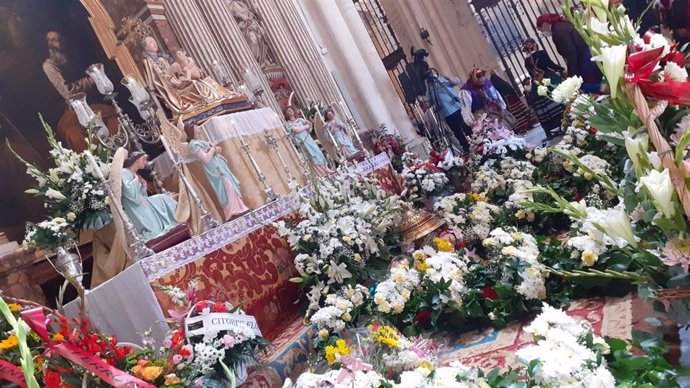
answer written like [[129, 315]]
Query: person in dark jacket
[[539, 59], [571, 46]]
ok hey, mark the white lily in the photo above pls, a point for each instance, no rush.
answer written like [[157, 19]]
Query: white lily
[[660, 187], [601, 28], [54, 194], [613, 59], [636, 145], [337, 273], [616, 224]]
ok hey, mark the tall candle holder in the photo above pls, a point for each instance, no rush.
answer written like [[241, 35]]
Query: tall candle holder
[[273, 144], [141, 251], [355, 128], [148, 133], [270, 194], [206, 218]]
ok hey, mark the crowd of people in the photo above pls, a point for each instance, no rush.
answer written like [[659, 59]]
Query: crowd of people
[[458, 104]]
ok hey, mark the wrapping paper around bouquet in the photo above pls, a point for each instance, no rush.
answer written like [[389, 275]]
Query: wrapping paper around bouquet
[[12, 373], [37, 321], [218, 322]]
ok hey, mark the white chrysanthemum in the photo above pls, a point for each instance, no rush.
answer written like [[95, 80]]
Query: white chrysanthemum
[[566, 89]]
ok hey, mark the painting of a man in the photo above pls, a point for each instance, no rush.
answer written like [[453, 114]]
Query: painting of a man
[[68, 81]]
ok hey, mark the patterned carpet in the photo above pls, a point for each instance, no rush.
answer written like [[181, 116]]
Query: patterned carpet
[[490, 348]]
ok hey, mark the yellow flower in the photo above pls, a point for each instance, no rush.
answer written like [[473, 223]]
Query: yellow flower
[[58, 337], [9, 343], [357, 257], [419, 255], [520, 214], [589, 258], [530, 216], [151, 373], [489, 242], [330, 353], [323, 334], [443, 245], [346, 317], [14, 307], [567, 164], [172, 379], [421, 265], [477, 197], [388, 336], [426, 365], [516, 236], [343, 349]]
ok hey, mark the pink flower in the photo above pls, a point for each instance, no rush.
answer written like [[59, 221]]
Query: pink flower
[[167, 343], [198, 383], [228, 341], [177, 359], [677, 252]]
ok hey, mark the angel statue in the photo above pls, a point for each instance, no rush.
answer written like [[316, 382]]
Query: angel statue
[[224, 183], [338, 130], [300, 129], [152, 216]]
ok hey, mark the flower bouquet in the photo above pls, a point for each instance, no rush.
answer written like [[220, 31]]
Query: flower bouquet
[[492, 139], [72, 191], [424, 178]]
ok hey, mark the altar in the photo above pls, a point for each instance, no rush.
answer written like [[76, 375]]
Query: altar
[[243, 261]]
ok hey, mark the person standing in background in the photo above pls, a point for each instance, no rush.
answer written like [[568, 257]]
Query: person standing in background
[[453, 109]]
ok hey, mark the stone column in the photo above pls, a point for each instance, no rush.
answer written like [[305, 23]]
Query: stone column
[[304, 43], [352, 56], [231, 41], [194, 34], [457, 40]]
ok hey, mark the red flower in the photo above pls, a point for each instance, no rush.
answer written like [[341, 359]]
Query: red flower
[[52, 379], [593, 130], [123, 352], [184, 352], [219, 307], [578, 197], [423, 317], [488, 292], [461, 245], [202, 305], [177, 337]]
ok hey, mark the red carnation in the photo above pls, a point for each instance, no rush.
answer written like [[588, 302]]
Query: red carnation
[[593, 130], [488, 292], [52, 379], [219, 307], [185, 352]]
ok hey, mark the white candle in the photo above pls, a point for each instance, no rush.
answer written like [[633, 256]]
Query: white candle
[[167, 149], [94, 165]]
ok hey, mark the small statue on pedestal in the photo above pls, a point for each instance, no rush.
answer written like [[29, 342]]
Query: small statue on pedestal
[[222, 180]]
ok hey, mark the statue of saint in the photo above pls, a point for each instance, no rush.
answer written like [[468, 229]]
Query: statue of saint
[[182, 85], [300, 130], [222, 180], [338, 130], [254, 34]]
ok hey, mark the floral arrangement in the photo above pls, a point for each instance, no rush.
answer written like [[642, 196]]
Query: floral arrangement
[[342, 236], [492, 139], [424, 178], [72, 192], [202, 354]]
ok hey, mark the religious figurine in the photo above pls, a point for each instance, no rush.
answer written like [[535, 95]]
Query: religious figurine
[[176, 82], [152, 216], [301, 129], [222, 180], [338, 130], [254, 33], [188, 66]]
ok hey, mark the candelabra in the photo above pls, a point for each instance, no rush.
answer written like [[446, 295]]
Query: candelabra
[[273, 144], [148, 132], [270, 194], [139, 245], [355, 128], [208, 221], [90, 120]]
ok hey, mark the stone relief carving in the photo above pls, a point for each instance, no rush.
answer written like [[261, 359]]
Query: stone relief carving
[[247, 18]]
